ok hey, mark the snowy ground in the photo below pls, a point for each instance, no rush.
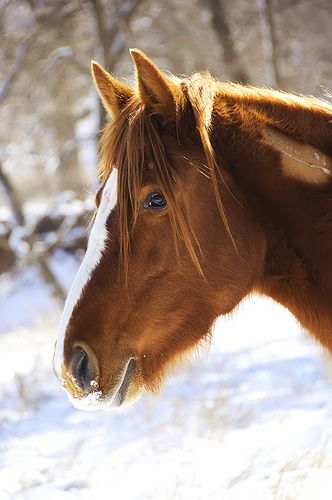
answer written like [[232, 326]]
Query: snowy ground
[[251, 419]]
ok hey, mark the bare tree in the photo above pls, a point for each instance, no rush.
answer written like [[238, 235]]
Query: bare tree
[[111, 19], [269, 42], [221, 26], [16, 66], [7, 254], [11, 196]]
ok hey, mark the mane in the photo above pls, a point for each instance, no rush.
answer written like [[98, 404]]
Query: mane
[[132, 143]]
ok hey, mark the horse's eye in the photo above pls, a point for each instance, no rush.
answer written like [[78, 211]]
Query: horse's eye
[[155, 201]]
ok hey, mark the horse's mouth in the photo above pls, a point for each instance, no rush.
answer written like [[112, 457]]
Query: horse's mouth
[[126, 392], [129, 372]]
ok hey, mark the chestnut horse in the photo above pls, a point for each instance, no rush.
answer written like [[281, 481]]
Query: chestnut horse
[[209, 191]]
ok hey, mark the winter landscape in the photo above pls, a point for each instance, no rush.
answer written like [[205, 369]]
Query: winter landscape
[[250, 415]]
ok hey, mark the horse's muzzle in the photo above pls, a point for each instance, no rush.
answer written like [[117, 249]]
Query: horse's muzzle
[[82, 381]]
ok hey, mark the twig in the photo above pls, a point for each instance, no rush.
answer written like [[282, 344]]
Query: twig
[[12, 75], [50, 278], [11, 197]]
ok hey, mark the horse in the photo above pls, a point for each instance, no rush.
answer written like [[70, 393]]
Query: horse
[[209, 191]]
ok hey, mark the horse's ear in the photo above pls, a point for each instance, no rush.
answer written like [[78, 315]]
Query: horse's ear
[[114, 94], [158, 92]]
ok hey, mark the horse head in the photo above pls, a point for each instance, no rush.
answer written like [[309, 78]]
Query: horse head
[[172, 247]]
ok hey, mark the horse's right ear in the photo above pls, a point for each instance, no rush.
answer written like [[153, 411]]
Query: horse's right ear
[[114, 94]]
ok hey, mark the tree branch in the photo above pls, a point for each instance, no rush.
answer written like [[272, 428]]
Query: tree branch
[[269, 43], [10, 78], [50, 278], [110, 37], [42, 259], [223, 31], [12, 198]]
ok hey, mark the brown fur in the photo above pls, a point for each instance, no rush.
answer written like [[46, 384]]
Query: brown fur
[[235, 222]]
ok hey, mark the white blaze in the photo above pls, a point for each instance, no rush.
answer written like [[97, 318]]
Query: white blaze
[[96, 245]]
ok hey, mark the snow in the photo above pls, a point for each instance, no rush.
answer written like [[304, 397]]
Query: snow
[[250, 418]]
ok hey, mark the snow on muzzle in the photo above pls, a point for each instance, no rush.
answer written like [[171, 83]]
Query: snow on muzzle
[[84, 388]]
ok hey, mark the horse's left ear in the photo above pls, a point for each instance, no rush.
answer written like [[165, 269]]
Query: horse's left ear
[[113, 93], [158, 92]]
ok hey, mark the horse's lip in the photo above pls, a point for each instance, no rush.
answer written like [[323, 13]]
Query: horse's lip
[[127, 377]]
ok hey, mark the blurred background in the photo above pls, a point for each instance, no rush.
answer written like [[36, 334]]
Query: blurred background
[[50, 114], [50, 117]]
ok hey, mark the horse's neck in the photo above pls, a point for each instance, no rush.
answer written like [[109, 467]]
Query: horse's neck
[[291, 281], [295, 213], [298, 262], [305, 118]]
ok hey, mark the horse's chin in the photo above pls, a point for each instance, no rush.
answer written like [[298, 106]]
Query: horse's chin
[[97, 401]]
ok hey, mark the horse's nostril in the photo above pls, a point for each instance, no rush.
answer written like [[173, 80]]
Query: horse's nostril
[[83, 369]]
